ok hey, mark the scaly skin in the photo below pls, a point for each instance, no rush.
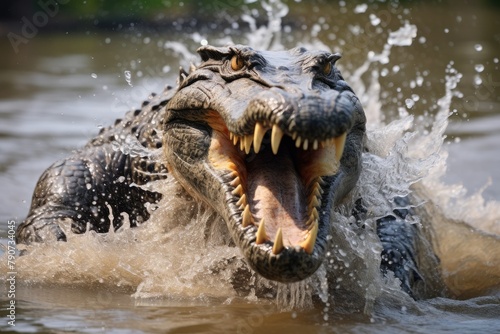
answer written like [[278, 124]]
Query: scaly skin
[[271, 140]]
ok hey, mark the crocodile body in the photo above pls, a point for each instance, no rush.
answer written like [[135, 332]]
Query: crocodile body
[[271, 140]]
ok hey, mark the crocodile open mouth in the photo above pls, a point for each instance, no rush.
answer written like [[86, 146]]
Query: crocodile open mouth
[[276, 180]]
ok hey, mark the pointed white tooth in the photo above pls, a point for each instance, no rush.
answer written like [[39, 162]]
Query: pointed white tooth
[[246, 217], [261, 233], [278, 242], [305, 145], [298, 142], [276, 136], [309, 243], [258, 135], [321, 181], [294, 135], [235, 140], [235, 182], [230, 135], [314, 203], [192, 68], [339, 145], [238, 191], [242, 202], [315, 144], [248, 143], [242, 143], [314, 213]]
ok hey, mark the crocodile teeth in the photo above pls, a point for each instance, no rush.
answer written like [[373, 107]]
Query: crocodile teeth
[[278, 242], [276, 136], [235, 140], [339, 143], [238, 190], [242, 143], [305, 145], [247, 217], [308, 244], [235, 182], [242, 202], [314, 213], [258, 135], [314, 203], [298, 142], [248, 143], [261, 233], [315, 144]]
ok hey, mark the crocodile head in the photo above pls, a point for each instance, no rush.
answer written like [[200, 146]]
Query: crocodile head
[[272, 141]]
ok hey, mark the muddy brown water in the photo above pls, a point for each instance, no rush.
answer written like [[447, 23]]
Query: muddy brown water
[[60, 88]]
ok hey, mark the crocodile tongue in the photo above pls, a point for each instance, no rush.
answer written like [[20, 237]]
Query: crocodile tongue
[[276, 193]]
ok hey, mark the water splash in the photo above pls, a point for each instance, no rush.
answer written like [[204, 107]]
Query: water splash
[[403, 159], [128, 78], [403, 36], [130, 145]]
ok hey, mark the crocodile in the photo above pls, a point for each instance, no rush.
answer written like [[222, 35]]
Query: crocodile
[[271, 140]]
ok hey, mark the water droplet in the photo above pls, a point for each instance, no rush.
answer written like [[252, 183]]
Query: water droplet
[[128, 77], [422, 40], [93, 75], [420, 81], [479, 68], [409, 103], [107, 40], [146, 40], [374, 20], [403, 36], [361, 8], [478, 47], [495, 60], [478, 80], [446, 30]]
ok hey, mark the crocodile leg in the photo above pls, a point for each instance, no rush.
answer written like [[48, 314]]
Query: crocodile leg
[[86, 192]]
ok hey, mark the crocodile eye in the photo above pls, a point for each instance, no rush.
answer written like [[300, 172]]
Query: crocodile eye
[[237, 63], [327, 68]]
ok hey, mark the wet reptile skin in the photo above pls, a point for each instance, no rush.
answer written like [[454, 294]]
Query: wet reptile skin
[[207, 129]]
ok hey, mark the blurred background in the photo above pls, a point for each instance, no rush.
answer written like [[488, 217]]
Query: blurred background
[[69, 67]]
